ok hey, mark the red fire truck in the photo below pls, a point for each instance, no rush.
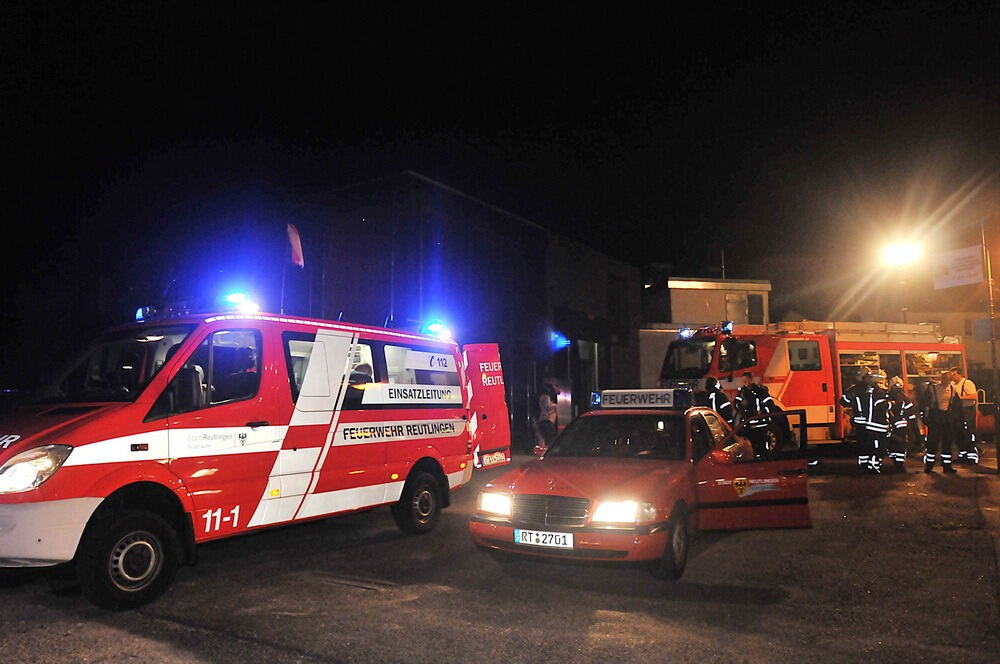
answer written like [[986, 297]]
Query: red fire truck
[[167, 433], [808, 365]]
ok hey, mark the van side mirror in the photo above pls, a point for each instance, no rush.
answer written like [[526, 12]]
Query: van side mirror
[[722, 457], [187, 390]]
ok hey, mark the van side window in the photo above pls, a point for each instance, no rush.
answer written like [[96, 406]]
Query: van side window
[[361, 373], [804, 356], [224, 368], [298, 350], [409, 366]]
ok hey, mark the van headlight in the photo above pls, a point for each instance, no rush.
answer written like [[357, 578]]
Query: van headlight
[[29, 469], [494, 503], [623, 512]]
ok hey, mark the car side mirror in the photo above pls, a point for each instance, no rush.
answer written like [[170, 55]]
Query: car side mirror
[[722, 457]]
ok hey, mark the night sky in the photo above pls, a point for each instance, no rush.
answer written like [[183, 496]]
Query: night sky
[[138, 137]]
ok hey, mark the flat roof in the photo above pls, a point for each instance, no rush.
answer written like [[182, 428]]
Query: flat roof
[[719, 284]]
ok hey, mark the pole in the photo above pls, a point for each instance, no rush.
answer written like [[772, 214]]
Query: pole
[[993, 341]]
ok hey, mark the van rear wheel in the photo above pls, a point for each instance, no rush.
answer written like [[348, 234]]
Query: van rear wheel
[[419, 507], [127, 560]]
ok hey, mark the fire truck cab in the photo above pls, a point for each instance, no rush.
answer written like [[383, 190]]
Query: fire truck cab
[[808, 365], [168, 433]]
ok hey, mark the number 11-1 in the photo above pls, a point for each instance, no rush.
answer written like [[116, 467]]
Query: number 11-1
[[232, 518]]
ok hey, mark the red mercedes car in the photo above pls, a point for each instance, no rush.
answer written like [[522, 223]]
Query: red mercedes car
[[631, 481]]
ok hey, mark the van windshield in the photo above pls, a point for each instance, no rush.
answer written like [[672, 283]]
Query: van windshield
[[117, 367]]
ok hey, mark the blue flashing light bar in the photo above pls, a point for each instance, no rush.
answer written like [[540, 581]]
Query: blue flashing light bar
[[558, 340], [685, 333], [436, 328], [242, 302], [727, 327]]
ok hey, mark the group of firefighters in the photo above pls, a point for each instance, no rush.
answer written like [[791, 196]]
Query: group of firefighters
[[884, 418]]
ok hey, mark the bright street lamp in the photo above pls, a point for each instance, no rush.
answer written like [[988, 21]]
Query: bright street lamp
[[901, 254]]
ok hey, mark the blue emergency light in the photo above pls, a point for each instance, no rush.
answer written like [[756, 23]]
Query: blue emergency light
[[558, 340], [242, 302], [436, 328]]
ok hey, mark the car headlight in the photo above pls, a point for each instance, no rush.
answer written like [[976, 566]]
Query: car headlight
[[623, 512], [497, 504], [29, 469]]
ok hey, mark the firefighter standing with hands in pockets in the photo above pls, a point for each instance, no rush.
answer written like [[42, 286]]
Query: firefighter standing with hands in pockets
[[940, 424]]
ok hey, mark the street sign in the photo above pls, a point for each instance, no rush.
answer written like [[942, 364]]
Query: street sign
[[959, 267]]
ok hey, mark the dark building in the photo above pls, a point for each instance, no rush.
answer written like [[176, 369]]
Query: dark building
[[403, 250]]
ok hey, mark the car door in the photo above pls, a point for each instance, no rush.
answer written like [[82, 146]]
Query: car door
[[734, 493]]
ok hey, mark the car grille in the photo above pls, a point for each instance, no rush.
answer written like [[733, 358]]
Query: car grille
[[550, 510]]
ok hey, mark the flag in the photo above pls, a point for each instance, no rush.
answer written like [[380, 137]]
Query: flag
[[296, 242]]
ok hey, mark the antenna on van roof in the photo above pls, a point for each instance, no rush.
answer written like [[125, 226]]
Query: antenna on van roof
[[386, 323], [340, 315]]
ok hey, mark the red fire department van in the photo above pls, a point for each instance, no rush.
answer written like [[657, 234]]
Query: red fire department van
[[169, 433], [809, 364]]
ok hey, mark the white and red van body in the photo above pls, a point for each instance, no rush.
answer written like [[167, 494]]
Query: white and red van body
[[218, 425], [808, 365]]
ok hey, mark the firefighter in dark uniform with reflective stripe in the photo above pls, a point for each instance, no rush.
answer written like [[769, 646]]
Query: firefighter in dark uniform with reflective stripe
[[753, 400], [904, 420], [718, 401], [869, 404]]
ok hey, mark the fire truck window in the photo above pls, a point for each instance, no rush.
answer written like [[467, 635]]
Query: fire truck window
[[804, 356], [930, 364], [891, 364], [735, 355], [852, 364], [410, 366]]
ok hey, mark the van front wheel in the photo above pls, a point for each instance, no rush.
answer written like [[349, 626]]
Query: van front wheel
[[128, 560], [419, 507]]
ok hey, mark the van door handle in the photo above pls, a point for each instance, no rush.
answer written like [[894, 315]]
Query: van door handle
[[792, 472], [259, 423]]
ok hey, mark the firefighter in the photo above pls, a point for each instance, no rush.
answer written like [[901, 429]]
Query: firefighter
[[940, 425], [719, 402], [965, 416], [869, 404], [752, 401], [904, 420]]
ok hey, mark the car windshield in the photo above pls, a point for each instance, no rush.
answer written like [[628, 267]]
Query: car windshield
[[117, 367], [655, 436], [688, 358]]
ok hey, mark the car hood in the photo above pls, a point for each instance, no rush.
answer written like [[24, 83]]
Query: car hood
[[31, 426], [593, 478]]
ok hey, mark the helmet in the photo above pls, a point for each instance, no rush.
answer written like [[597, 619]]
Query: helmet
[[895, 381]]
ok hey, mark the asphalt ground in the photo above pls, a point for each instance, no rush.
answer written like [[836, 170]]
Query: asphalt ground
[[895, 568]]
